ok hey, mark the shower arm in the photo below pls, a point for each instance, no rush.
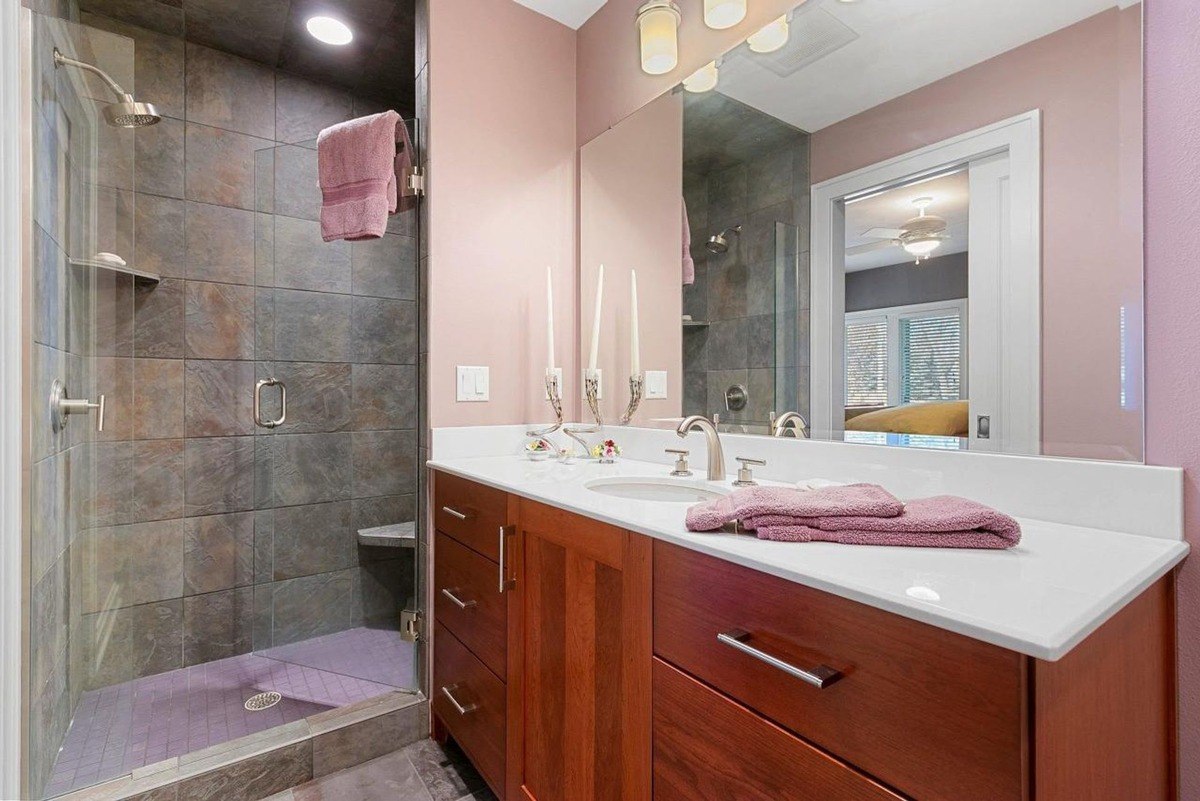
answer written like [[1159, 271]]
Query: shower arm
[[60, 60]]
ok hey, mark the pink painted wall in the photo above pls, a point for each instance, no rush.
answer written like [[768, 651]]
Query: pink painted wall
[[1081, 78], [502, 172], [630, 187], [611, 83], [1172, 298]]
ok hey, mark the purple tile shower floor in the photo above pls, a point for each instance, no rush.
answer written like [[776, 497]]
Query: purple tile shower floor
[[123, 727]]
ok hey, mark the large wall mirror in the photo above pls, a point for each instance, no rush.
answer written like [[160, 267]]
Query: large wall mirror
[[914, 223]]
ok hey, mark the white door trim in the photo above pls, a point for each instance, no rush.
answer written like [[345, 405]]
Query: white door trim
[[14, 184], [1020, 137]]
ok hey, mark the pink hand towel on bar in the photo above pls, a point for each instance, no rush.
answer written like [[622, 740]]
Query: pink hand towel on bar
[[356, 166], [789, 503], [943, 521]]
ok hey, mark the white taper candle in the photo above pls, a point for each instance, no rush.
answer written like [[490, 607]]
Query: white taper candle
[[635, 345], [549, 323], [596, 322]]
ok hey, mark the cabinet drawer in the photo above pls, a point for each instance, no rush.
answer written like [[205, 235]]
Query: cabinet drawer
[[933, 714], [467, 600], [470, 701], [470, 513], [708, 747]]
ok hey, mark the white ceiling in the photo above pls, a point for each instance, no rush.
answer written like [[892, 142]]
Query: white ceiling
[[901, 45], [951, 201], [571, 13]]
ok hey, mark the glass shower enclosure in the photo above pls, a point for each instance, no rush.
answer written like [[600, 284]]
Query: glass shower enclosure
[[204, 563]]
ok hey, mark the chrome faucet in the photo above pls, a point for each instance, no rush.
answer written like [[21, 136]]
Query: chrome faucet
[[716, 456], [780, 427]]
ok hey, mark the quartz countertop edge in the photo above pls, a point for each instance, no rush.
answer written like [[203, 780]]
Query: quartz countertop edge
[[1040, 599]]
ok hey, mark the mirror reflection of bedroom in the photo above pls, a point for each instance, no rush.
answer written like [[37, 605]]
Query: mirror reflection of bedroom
[[907, 347]]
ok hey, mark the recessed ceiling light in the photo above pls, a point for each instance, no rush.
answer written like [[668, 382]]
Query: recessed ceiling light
[[329, 30]]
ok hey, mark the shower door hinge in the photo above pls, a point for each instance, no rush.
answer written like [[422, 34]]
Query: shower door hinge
[[416, 181], [411, 625]]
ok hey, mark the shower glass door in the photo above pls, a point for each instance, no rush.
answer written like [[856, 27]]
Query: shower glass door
[[336, 469], [84, 606]]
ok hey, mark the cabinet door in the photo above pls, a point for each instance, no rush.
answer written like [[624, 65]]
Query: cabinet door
[[587, 659]]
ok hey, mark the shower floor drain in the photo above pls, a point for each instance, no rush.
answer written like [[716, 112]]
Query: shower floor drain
[[257, 703]]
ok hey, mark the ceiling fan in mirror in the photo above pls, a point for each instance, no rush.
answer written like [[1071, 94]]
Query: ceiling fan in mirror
[[920, 236]]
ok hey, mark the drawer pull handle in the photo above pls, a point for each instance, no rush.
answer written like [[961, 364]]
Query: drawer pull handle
[[460, 708], [459, 602], [455, 513], [505, 582], [820, 677]]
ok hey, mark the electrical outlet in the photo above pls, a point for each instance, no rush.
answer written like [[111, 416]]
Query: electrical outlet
[[472, 384], [656, 384]]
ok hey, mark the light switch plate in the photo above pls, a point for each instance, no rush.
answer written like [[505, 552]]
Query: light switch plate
[[472, 383], [656, 384], [599, 384]]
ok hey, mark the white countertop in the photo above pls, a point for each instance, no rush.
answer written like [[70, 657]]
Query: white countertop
[[1040, 598]]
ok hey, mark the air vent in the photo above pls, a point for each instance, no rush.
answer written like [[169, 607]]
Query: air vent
[[815, 33]]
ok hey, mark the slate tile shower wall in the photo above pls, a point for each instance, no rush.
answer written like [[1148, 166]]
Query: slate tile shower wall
[[754, 297], [215, 536]]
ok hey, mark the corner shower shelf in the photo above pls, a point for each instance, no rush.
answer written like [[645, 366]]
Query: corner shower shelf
[[695, 323], [138, 275], [397, 535]]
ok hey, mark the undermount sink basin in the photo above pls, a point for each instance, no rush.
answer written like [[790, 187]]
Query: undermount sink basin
[[655, 489]]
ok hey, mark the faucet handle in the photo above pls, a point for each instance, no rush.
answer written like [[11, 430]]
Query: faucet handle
[[681, 463], [745, 476]]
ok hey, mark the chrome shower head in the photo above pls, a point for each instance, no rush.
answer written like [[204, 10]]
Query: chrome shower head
[[719, 243], [129, 113], [126, 112]]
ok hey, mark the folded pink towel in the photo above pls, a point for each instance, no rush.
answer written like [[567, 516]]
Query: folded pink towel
[[789, 503], [943, 521], [689, 266], [356, 167]]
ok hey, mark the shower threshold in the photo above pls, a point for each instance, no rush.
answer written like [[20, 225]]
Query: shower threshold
[[123, 727]]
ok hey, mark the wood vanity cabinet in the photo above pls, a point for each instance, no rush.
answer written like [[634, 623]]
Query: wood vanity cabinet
[[614, 667]]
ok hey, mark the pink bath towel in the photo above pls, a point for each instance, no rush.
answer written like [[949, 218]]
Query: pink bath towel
[[689, 266], [943, 521], [789, 503], [356, 167]]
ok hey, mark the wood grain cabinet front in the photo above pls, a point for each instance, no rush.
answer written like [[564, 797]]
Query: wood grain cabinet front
[[471, 702], [470, 513], [467, 601], [707, 746]]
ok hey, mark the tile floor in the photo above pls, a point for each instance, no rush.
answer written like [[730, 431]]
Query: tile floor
[[423, 771], [126, 726]]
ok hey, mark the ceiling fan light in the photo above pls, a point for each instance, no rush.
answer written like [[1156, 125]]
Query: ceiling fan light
[[721, 14], [922, 246], [703, 79], [771, 37]]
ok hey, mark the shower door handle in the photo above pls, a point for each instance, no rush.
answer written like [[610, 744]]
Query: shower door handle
[[258, 388]]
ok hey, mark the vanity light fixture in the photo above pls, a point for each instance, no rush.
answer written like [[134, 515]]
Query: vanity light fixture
[[721, 14], [329, 30], [771, 37], [658, 31], [703, 79]]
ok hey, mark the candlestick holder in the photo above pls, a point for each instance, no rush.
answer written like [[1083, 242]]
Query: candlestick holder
[[636, 386], [591, 388], [554, 395]]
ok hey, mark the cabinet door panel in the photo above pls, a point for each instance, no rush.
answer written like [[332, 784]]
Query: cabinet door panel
[[587, 659]]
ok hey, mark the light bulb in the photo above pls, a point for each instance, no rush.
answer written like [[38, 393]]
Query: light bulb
[[772, 37], [658, 23], [923, 247], [329, 30], [703, 79], [719, 14]]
